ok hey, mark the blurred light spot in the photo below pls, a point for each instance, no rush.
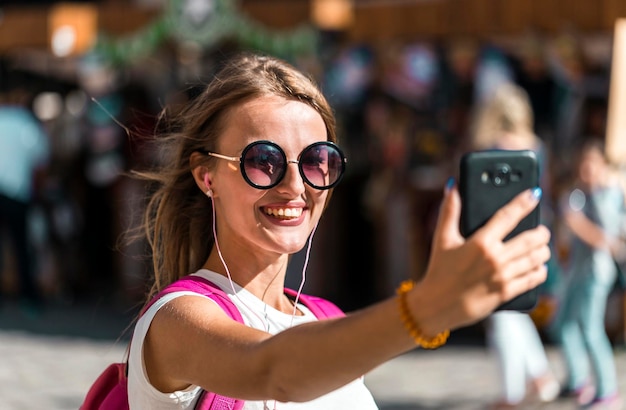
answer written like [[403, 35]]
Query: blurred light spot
[[63, 41], [577, 200], [332, 14], [76, 103], [48, 106]]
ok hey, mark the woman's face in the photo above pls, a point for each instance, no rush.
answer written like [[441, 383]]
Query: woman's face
[[249, 217]]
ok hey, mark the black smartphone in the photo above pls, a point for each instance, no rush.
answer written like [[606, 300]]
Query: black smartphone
[[488, 180]]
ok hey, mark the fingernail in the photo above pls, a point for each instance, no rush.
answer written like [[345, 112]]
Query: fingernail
[[449, 184], [536, 193]]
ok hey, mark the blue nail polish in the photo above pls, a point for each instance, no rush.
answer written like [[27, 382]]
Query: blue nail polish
[[536, 193], [449, 183]]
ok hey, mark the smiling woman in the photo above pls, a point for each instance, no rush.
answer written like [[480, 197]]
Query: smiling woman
[[236, 227]]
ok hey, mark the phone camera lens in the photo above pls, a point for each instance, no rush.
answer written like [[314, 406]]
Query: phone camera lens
[[502, 175]]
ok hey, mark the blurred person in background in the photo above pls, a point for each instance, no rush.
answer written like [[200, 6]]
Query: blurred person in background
[[591, 210], [103, 164], [456, 92], [569, 68], [387, 195], [504, 120], [24, 151], [534, 75]]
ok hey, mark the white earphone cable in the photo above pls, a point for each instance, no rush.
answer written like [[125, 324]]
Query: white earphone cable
[[232, 285], [230, 279]]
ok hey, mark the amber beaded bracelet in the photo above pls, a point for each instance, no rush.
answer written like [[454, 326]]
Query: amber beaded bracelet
[[411, 325]]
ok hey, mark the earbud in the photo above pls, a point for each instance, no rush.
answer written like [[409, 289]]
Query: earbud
[[207, 183]]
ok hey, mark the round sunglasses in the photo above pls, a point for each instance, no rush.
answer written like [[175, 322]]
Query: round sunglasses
[[263, 164]]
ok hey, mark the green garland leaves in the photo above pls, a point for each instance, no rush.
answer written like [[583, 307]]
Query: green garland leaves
[[221, 21]]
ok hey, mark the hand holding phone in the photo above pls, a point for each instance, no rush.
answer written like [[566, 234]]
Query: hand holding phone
[[488, 181]]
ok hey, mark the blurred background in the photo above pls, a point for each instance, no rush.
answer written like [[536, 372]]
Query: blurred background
[[404, 77]]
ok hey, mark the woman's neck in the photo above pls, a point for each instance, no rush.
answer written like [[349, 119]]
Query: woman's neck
[[264, 278]]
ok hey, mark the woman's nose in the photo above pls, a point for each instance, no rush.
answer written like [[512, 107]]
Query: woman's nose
[[292, 181]]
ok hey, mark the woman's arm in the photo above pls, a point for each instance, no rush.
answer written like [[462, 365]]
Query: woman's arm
[[191, 341]]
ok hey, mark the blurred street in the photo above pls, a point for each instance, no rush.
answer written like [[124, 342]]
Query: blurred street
[[49, 362]]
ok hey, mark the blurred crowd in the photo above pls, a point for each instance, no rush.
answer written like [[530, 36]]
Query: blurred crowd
[[406, 112]]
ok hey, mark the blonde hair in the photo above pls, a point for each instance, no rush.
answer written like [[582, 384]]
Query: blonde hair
[[178, 218], [507, 110]]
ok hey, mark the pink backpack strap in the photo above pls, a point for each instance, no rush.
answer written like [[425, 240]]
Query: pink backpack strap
[[321, 308], [197, 284]]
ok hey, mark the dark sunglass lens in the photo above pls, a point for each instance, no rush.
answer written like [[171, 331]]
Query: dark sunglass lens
[[322, 165], [263, 164]]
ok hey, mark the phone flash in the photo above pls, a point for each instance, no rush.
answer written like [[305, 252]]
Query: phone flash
[[484, 177]]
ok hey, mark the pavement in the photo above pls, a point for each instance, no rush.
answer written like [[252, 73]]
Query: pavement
[[50, 359]]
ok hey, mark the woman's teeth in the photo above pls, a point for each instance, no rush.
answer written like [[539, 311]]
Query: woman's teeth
[[284, 213]]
